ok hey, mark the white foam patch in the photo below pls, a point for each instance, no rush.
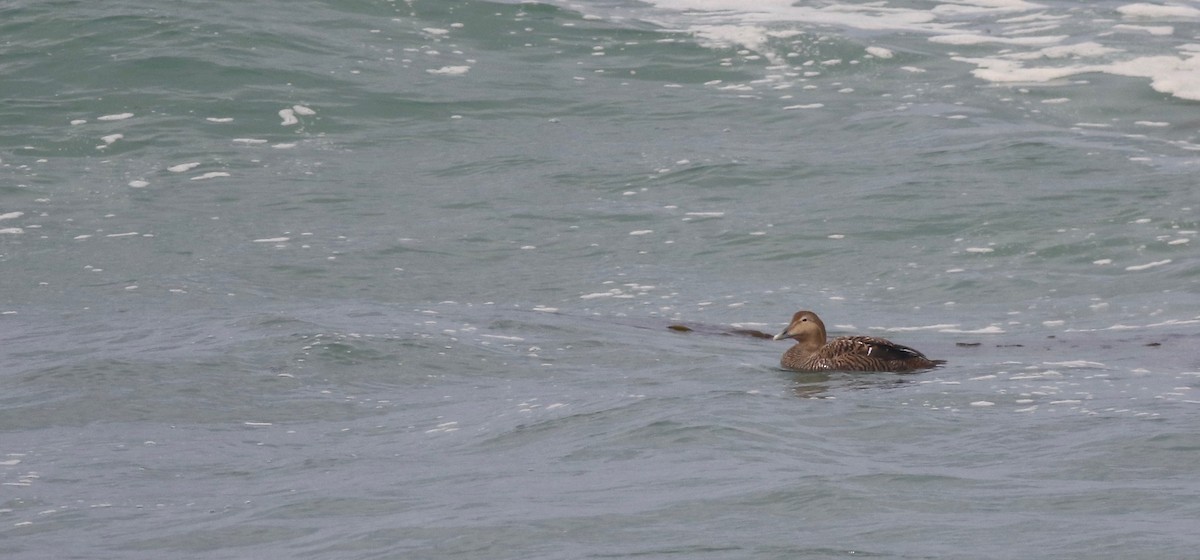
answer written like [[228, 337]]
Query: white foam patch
[[880, 52], [1017, 31], [115, 117], [641, 232], [180, 168], [979, 249], [979, 39], [219, 119], [139, 184], [1156, 11], [12, 230], [985, 330], [805, 106], [249, 141], [1148, 265], [11, 215], [288, 116], [303, 111], [449, 70], [272, 240], [210, 175], [1167, 74], [111, 138]]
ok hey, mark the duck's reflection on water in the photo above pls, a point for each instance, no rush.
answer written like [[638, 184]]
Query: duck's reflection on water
[[818, 385]]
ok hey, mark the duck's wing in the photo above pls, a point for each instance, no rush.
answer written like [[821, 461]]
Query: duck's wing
[[874, 348]]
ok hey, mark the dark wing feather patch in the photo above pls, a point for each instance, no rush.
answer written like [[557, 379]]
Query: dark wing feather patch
[[882, 349]]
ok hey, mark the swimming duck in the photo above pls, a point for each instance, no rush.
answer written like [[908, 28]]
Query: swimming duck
[[848, 353]]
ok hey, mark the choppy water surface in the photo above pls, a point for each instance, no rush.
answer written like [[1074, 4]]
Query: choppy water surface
[[392, 279]]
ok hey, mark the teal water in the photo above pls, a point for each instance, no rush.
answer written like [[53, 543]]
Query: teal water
[[391, 279]]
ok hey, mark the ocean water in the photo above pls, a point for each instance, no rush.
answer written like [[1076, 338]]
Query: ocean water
[[391, 279]]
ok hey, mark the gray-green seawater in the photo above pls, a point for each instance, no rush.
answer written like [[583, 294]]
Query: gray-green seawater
[[392, 279]]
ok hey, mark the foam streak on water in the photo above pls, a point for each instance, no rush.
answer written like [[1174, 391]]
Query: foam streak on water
[[1031, 42]]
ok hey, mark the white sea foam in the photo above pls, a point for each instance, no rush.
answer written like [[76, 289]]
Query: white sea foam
[[272, 240], [115, 117], [210, 175], [880, 52], [1148, 265], [11, 215], [977, 39], [449, 70], [139, 184], [111, 138], [1156, 11], [985, 330], [1026, 37], [288, 116], [180, 168], [502, 337]]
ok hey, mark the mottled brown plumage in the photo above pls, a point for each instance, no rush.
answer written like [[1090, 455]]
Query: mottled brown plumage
[[848, 353]]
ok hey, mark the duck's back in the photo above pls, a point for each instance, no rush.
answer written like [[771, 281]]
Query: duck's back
[[857, 353]]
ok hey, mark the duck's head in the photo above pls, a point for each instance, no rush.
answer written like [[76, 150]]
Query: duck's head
[[806, 328]]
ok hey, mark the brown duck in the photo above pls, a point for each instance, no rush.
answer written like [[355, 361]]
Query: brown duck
[[848, 353]]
